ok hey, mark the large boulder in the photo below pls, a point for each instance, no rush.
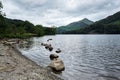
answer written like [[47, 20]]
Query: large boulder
[[57, 65]]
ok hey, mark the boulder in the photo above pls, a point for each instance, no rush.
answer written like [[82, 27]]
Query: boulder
[[58, 50], [42, 44], [47, 46], [57, 65], [50, 48], [53, 56]]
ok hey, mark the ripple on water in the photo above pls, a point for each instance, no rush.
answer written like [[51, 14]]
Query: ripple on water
[[86, 57]]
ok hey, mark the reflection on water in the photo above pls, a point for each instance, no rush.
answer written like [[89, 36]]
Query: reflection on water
[[86, 57]]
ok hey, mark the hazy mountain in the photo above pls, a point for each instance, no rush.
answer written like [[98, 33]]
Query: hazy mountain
[[74, 26], [108, 25]]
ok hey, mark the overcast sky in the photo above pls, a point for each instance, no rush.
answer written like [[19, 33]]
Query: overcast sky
[[59, 12]]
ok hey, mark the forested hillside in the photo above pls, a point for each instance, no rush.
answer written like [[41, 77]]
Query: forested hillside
[[74, 26], [109, 25], [13, 28]]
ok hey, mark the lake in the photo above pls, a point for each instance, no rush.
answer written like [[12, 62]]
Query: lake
[[86, 57]]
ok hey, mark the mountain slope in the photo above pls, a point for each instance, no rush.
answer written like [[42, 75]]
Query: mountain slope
[[110, 19], [74, 26], [108, 25]]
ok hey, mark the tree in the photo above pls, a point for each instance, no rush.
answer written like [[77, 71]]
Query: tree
[[39, 30], [50, 30], [1, 6], [29, 27]]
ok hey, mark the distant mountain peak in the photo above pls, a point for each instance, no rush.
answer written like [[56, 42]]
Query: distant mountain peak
[[75, 25], [108, 25], [85, 19]]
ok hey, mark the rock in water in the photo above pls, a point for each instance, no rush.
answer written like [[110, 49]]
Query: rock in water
[[53, 56], [42, 44], [50, 48], [49, 40], [58, 50], [56, 64]]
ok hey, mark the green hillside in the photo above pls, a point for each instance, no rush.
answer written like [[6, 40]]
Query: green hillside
[[108, 25], [13, 28], [74, 26]]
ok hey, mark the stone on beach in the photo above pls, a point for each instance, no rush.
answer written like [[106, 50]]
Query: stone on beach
[[15, 66], [8, 42]]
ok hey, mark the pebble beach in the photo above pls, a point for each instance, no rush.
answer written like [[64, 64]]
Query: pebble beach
[[15, 66]]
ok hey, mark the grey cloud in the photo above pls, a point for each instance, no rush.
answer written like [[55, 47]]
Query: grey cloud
[[60, 12], [94, 7]]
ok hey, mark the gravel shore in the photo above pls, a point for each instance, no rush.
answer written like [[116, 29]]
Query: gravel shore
[[14, 66]]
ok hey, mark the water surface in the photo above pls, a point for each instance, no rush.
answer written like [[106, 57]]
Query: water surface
[[86, 57]]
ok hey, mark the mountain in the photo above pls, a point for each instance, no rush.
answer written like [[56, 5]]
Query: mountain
[[74, 26], [108, 25], [110, 19]]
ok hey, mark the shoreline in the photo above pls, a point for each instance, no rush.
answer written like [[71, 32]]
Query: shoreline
[[15, 66]]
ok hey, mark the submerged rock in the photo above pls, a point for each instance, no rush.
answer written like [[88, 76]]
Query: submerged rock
[[49, 40]]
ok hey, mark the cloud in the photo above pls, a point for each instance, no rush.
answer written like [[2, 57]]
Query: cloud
[[59, 12]]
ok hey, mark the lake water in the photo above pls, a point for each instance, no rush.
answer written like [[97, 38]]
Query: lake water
[[86, 57]]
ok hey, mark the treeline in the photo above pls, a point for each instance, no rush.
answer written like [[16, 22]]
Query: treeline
[[109, 25], [21, 29]]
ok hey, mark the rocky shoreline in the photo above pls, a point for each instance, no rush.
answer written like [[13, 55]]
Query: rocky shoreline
[[15, 66]]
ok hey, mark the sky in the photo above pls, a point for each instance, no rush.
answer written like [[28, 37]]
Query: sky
[[59, 12]]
